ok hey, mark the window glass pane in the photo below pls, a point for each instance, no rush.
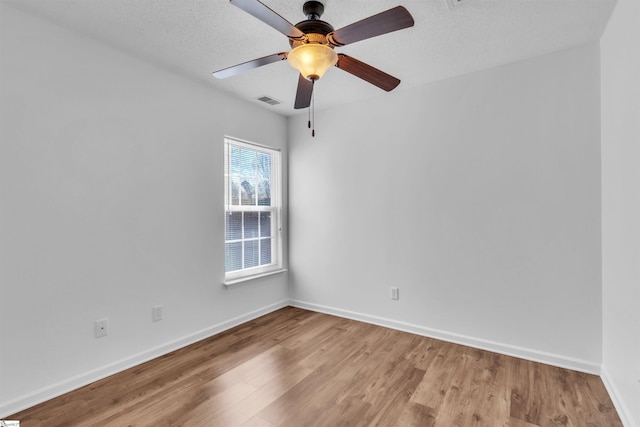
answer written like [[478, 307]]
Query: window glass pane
[[248, 192], [265, 224], [235, 191], [248, 162], [251, 253], [264, 193], [233, 226], [250, 225], [234, 162], [264, 165], [232, 256], [265, 251]]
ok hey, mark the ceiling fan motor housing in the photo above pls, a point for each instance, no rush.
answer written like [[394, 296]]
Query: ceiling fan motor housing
[[315, 31]]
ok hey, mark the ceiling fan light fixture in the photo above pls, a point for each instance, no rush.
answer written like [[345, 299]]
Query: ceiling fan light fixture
[[312, 59]]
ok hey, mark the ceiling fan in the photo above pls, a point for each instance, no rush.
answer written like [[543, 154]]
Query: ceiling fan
[[313, 42]]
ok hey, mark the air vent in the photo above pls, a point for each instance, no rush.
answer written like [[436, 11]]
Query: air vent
[[453, 4], [269, 100]]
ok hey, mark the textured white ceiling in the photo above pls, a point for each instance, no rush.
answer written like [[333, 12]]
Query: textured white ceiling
[[450, 37]]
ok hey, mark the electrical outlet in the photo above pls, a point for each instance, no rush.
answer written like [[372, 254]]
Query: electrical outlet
[[156, 313], [395, 293], [102, 327]]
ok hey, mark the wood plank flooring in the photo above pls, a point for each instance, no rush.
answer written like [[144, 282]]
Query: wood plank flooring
[[299, 368]]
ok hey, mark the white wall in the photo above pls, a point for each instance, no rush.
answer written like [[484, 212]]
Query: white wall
[[111, 203], [478, 196], [620, 54]]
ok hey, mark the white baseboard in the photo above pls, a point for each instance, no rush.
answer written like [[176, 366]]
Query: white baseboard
[[615, 398], [506, 349], [60, 388]]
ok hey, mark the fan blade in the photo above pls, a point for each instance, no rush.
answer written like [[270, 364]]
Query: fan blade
[[393, 19], [269, 17], [367, 72], [304, 92], [237, 69]]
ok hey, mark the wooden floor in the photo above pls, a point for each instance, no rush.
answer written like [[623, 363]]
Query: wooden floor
[[299, 368]]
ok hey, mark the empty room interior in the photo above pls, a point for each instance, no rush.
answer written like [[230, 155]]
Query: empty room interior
[[459, 245]]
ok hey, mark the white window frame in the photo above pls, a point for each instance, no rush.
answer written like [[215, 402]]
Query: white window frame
[[236, 276]]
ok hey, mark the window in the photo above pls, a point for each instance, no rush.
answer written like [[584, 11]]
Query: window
[[252, 210]]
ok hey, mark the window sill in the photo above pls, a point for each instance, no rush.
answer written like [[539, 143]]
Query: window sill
[[230, 282]]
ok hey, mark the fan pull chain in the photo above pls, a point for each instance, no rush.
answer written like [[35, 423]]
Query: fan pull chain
[[312, 115], [313, 112]]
